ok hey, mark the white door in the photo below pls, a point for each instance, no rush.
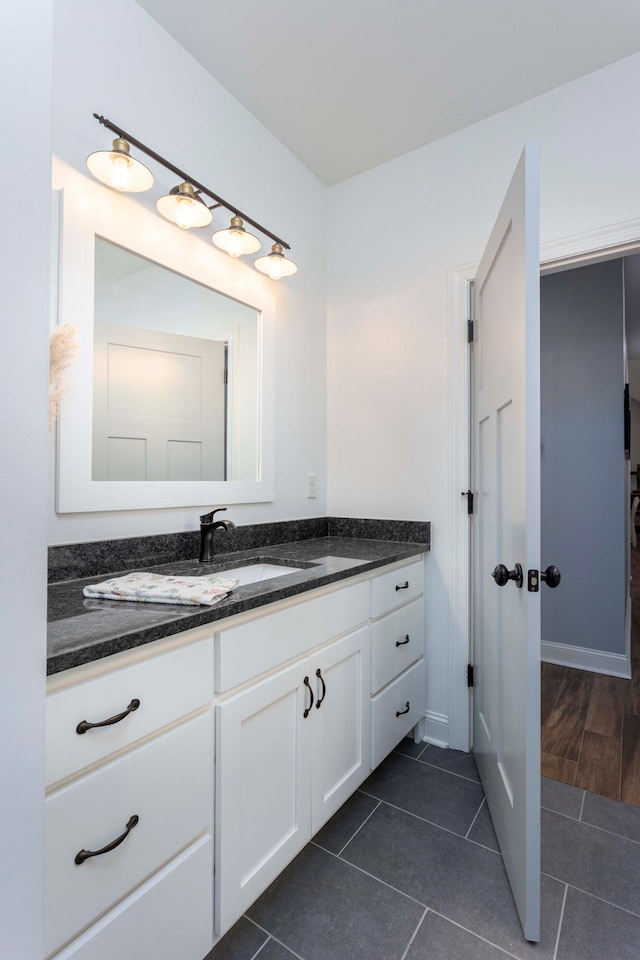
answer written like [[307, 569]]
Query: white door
[[158, 405], [506, 530]]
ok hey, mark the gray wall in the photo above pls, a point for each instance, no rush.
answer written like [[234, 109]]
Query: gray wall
[[583, 467]]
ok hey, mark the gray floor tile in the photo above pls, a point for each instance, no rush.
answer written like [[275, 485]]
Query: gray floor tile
[[324, 909], [482, 830], [450, 802], [343, 824], [453, 760], [594, 861], [411, 749], [620, 818], [275, 951], [242, 942], [561, 797], [458, 879], [438, 939], [593, 930]]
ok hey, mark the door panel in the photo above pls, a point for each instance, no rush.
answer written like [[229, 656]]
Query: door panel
[[263, 801], [340, 730], [506, 530], [159, 405]]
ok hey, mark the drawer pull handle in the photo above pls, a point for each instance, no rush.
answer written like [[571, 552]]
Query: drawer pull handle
[[307, 710], [406, 710], [320, 701], [402, 586], [401, 643], [84, 725], [83, 855]]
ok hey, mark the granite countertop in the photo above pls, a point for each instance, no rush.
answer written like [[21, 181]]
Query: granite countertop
[[82, 630]]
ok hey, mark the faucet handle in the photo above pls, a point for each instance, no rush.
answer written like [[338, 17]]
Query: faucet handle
[[208, 517]]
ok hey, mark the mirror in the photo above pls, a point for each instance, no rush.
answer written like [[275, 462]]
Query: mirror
[[162, 320], [175, 375]]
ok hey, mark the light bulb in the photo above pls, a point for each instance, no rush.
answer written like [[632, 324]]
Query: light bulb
[[118, 169], [275, 267], [181, 207], [184, 215], [235, 243], [121, 172]]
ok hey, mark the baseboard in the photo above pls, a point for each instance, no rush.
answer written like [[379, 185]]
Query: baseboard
[[581, 658], [436, 728]]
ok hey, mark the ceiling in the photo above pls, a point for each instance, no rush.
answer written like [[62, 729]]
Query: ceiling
[[349, 84]]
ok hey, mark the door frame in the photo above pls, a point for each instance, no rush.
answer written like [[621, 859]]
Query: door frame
[[601, 243]]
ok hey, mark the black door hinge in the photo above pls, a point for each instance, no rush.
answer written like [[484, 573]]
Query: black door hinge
[[469, 674], [469, 495], [469, 331]]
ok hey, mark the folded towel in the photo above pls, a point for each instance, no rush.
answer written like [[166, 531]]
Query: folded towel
[[156, 588]]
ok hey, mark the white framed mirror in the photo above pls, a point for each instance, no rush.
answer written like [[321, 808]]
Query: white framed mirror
[[171, 399]]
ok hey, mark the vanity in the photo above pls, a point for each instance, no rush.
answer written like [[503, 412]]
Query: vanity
[[236, 731], [192, 752]]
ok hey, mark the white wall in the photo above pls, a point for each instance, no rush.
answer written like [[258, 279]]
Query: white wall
[[584, 500], [408, 222], [113, 59], [24, 310]]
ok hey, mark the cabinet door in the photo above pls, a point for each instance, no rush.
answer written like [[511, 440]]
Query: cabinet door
[[340, 730], [263, 797]]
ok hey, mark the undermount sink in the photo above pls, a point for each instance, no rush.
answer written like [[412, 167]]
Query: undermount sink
[[255, 572]]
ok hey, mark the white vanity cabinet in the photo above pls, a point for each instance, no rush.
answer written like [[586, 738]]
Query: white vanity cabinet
[[248, 735], [131, 823], [398, 686], [291, 748]]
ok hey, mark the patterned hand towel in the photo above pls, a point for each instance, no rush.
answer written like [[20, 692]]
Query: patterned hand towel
[[156, 588]]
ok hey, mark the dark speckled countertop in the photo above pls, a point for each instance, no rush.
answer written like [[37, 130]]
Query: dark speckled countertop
[[83, 630]]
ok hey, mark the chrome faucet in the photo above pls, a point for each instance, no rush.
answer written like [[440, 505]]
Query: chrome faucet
[[207, 527]]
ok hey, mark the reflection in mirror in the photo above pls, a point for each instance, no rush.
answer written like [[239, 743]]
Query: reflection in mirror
[[176, 371]]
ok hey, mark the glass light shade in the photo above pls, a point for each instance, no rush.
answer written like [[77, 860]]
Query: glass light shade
[[276, 265], [183, 207], [235, 240], [119, 170]]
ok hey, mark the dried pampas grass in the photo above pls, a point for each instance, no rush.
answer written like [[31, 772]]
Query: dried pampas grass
[[63, 349]]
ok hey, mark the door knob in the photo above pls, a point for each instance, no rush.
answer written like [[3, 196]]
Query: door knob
[[551, 576], [502, 575]]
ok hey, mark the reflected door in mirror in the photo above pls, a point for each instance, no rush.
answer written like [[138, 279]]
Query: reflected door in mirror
[[158, 406]]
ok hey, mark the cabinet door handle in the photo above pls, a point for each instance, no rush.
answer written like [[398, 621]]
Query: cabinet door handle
[[320, 701], [402, 586], [401, 643], [83, 855], [308, 686], [406, 710], [84, 725]]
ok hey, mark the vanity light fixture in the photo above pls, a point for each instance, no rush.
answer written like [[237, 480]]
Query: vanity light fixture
[[235, 240], [119, 170], [186, 205], [275, 264]]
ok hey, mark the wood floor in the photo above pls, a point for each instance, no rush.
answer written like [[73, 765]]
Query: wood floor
[[591, 731], [591, 722]]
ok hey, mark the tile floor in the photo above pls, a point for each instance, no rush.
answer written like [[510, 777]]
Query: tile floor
[[409, 869]]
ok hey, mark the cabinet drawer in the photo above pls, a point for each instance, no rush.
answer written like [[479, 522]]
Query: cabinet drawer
[[397, 641], [154, 682], [387, 728], [392, 589], [167, 783], [169, 916], [260, 645]]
